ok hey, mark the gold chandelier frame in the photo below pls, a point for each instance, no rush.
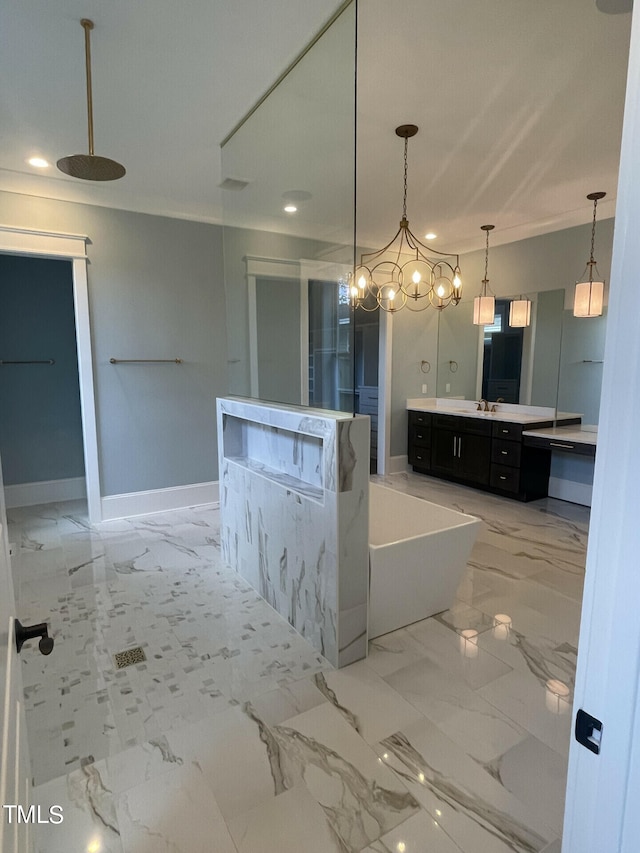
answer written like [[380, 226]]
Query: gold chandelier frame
[[409, 274]]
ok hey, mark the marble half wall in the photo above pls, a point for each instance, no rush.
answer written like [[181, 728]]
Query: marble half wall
[[294, 505]]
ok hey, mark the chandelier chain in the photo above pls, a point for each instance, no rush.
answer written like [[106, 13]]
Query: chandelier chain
[[406, 161]]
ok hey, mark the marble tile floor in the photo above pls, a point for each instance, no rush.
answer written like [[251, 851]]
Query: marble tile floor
[[236, 736]]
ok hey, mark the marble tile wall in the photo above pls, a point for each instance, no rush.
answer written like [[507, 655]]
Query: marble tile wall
[[300, 537], [236, 737]]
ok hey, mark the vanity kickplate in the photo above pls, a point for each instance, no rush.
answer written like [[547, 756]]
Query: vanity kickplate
[[129, 657]]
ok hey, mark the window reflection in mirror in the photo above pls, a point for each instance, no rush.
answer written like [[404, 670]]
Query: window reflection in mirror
[[501, 357]]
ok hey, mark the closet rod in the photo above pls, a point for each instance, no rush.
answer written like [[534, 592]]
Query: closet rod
[[145, 360], [47, 361]]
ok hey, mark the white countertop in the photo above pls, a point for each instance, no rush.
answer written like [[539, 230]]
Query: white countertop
[[579, 434], [507, 412]]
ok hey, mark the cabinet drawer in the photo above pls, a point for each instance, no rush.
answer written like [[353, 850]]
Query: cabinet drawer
[[462, 425], [420, 457], [420, 435], [506, 453], [419, 418], [507, 479], [507, 431]]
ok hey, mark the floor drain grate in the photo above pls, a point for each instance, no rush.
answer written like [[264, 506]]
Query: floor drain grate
[[129, 657]]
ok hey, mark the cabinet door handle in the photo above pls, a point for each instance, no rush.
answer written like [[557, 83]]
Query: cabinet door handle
[[504, 452], [459, 446], [502, 477], [505, 432], [454, 445], [558, 444]]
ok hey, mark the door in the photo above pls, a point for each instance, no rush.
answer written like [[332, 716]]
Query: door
[[14, 763], [474, 452], [444, 451], [603, 788], [41, 440]]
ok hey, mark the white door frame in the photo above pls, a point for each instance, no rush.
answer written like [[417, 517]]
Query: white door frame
[[46, 244]]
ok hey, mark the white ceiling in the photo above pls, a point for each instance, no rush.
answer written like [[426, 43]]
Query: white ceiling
[[519, 104]]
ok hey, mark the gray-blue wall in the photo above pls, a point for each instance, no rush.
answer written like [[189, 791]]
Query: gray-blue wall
[[155, 291], [40, 427]]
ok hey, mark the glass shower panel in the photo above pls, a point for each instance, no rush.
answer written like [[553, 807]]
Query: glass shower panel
[[288, 205]]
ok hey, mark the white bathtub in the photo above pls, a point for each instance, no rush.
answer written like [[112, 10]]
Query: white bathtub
[[418, 552]]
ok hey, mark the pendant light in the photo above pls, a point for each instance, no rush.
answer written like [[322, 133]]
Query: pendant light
[[405, 272], [520, 313], [589, 294], [89, 166], [484, 306]]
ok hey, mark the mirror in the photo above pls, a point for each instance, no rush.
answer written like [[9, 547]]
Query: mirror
[[559, 356], [288, 226], [457, 352], [580, 380]]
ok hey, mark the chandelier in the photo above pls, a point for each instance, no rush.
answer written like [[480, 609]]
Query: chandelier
[[405, 272]]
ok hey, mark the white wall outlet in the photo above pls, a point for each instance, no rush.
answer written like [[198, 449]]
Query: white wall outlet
[[424, 388], [448, 387]]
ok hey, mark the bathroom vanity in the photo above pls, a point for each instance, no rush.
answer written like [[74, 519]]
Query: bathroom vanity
[[454, 440]]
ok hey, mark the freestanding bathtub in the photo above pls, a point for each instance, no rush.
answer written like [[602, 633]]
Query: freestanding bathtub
[[418, 552]]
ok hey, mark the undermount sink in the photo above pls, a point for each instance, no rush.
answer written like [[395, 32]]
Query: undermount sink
[[468, 411]]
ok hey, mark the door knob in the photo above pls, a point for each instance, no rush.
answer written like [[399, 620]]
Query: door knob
[[30, 633]]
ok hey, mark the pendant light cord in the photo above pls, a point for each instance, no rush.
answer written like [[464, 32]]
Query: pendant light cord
[[88, 25], [593, 228], [486, 258], [485, 280], [593, 238]]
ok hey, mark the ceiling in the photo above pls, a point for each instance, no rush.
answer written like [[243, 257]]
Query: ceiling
[[519, 104]]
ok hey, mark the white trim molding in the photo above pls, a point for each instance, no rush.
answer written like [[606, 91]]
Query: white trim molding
[[569, 490], [159, 500], [397, 464], [24, 241], [385, 351], [45, 492]]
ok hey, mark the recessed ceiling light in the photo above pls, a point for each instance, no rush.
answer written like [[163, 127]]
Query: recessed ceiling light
[[430, 236], [38, 162], [290, 208]]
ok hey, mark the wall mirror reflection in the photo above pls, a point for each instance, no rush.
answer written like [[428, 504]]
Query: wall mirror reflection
[[555, 362]]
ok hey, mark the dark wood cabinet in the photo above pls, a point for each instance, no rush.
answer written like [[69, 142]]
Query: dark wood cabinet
[[485, 453], [420, 440], [461, 448]]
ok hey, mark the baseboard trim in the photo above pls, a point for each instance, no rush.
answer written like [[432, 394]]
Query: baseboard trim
[[159, 500], [398, 464], [569, 490], [45, 492]]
